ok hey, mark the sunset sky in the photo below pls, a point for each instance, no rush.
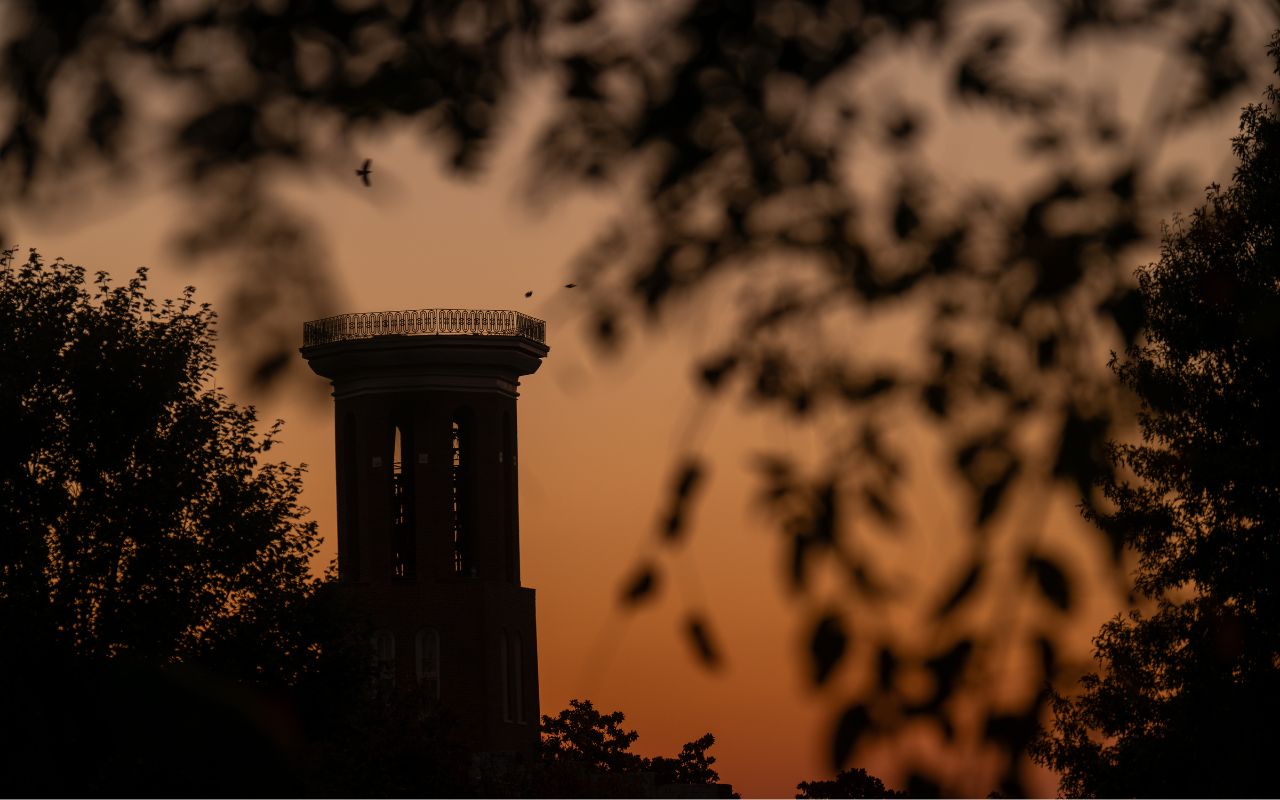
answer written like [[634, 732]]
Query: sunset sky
[[600, 433]]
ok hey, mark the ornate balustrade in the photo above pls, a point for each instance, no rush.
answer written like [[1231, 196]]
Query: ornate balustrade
[[424, 322]]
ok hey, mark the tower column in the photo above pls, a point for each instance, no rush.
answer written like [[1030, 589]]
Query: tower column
[[428, 516]]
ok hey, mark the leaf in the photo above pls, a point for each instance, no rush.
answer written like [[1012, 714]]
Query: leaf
[[991, 495], [854, 723], [902, 129], [1048, 656], [874, 387], [641, 586], [824, 517], [827, 646], [946, 252], [962, 591], [714, 372], [935, 399], [905, 218], [689, 476], [800, 544], [886, 668], [606, 330], [881, 506], [700, 637], [1051, 580], [1127, 309], [947, 669], [1080, 450], [867, 582], [1046, 350], [269, 368]]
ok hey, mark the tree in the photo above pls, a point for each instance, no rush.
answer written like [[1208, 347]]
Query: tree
[[737, 134], [580, 748], [139, 518], [1187, 694], [691, 765], [582, 735], [849, 783], [155, 575]]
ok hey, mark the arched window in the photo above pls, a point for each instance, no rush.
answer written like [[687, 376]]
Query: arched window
[[384, 659], [349, 559], [426, 659], [512, 677], [460, 494], [403, 550]]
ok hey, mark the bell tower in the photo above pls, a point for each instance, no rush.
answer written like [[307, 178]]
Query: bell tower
[[428, 516]]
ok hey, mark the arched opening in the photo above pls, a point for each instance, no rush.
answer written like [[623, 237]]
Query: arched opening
[[504, 659], [349, 559], [510, 532], [426, 658], [403, 549], [384, 660], [460, 491], [512, 678]]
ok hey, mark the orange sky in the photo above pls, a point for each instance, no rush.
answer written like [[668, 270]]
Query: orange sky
[[598, 436]]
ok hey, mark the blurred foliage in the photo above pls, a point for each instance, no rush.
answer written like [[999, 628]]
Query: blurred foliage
[[1186, 696], [743, 137]]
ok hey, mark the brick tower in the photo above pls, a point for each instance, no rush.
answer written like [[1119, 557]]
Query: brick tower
[[428, 517]]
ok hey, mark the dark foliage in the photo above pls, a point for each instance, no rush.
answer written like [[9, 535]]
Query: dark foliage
[[161, 632], [1187, 694], [140, 519], [584, 753], [582, 735], [742, 128], [849, 783], [155, 580]]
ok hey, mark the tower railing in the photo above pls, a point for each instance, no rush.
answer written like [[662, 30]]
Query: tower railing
[[423, 322]]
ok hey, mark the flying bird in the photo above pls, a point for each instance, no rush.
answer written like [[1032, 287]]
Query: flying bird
[[570, 285], [364, 171], [528, 294]]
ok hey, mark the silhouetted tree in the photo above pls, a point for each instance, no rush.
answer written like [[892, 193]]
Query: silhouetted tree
[[140, 519], [1187, 695], [155, 579], [161, 631], [691, 765], [580, 748], [849, 783], [582, 735], [737, 133]]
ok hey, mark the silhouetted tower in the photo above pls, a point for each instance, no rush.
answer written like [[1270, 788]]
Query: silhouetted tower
[[428, 517]]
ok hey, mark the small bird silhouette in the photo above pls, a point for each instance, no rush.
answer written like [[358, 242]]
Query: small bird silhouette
[[364, 171], [570, 285], [528, 294]]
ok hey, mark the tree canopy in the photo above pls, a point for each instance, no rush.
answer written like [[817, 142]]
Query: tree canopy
[[1188, 690], [155, 569], [580, 744], [849, 783], [140, 516]]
